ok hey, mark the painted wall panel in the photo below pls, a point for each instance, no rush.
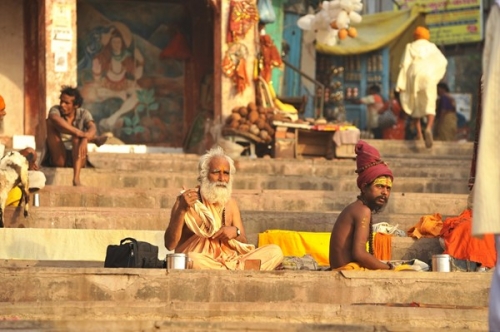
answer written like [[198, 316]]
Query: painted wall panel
[[129, 88], [11, 66]]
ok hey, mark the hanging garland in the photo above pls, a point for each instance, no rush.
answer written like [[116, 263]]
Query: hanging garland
[[243, 15], [234, 65]]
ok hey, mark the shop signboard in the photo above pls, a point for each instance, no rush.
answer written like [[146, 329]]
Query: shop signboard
[[451, 21]]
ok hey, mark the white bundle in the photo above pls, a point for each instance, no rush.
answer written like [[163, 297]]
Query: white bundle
[[333, 16]]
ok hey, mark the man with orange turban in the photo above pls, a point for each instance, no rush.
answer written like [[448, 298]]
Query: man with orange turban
[[422, 67], [353, 228]]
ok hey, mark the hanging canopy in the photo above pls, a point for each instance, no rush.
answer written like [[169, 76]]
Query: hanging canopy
[[374, 32]]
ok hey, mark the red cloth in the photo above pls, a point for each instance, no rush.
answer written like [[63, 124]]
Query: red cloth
[[397, 131], [178, 48], [369, 164], [270, 57], [461, 244]]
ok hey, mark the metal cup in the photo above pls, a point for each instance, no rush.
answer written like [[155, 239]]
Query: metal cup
[[36, 199]]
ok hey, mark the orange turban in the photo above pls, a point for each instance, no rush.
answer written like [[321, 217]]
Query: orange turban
[[369, 163], [421, 33]]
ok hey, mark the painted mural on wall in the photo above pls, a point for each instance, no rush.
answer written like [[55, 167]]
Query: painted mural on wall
[[130, 73]]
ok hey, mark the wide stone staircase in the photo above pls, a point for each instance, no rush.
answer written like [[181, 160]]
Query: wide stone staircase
[[52, 261]]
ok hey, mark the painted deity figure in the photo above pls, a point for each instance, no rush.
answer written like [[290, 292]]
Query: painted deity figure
[[115, 69]]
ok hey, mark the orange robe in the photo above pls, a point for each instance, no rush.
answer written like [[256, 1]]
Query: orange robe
[[207, 253], [460, 244]]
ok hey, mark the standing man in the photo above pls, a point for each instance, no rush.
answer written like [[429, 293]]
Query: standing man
[[486, 211], [206, 223], [353, 228], [422, 67], [69, 128], [375, 106]]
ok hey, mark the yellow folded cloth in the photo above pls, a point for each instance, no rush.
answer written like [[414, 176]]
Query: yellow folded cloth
[[298, 244], [351, 266], [14, 197]]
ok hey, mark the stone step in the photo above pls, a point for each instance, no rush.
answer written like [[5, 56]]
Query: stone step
[[386, 147], [90, 244], [179, 163], [238, 316], [257, 200], [397, 148], [418, 180], [56, 284], [157, 219]]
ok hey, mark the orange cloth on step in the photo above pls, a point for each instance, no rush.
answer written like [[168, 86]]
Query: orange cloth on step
[[461, 244], [382, 248], [428, 226], [2, 107]]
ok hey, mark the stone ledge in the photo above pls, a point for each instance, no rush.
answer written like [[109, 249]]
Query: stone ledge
[[257, 200], [158, 219], [236, 316], [301, 287], [416, 179]]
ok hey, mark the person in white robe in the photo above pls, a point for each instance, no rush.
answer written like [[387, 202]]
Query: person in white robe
[[422, 67], [486, 213]]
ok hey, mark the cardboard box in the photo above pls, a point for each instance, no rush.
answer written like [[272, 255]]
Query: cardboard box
[[345, 151], [284, 148]]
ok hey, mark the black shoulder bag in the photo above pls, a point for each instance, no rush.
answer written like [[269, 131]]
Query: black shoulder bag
[[133, 253]]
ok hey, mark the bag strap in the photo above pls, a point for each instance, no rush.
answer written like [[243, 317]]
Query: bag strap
[[128, 239], [133, 250]]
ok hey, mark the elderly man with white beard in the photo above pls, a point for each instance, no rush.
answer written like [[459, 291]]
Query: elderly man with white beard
[[206, 222]]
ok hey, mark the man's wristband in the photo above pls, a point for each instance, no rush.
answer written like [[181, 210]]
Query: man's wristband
[[391, 267]]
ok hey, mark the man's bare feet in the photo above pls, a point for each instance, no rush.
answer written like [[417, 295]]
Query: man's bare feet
[[100, 140], [77, 183]]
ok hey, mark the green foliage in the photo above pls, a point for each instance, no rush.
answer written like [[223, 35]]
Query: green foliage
[[147, 103]]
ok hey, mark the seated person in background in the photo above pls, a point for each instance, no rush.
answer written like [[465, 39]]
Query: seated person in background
[[374, 106], [353, 228], [69, 128], [36, 179], [2, 114], [396, 131], [206, 223], [446, 114]]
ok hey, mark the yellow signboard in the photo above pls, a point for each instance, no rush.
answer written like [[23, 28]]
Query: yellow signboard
[[451, 21]]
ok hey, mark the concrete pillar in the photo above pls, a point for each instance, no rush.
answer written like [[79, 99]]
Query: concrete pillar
[[60, 48], [229, 96]]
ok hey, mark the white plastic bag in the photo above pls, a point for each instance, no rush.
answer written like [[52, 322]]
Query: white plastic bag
[[266, 11]]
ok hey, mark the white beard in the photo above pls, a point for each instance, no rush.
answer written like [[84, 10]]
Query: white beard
[[216, 192]]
